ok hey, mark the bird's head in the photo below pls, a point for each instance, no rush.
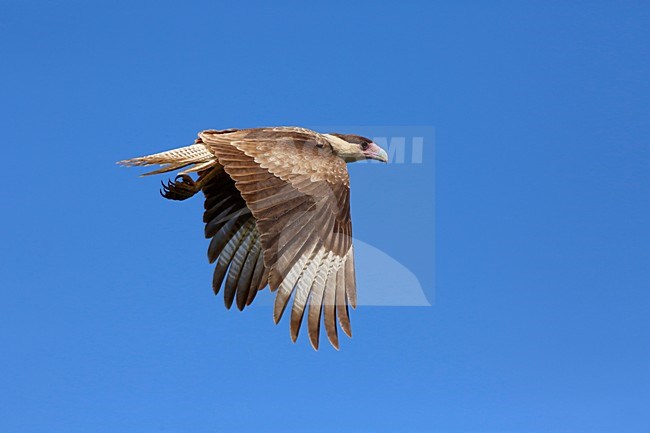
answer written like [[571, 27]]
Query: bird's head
[[350, 148]]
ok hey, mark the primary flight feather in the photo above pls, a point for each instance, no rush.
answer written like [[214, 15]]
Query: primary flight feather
[[277, 213]]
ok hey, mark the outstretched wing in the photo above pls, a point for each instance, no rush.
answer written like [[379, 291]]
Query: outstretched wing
[[297, 191]]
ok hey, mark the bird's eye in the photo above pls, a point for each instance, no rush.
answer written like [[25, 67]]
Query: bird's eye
[[364, 146]]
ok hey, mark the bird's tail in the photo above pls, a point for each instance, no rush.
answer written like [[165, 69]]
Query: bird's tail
[[196, 156]]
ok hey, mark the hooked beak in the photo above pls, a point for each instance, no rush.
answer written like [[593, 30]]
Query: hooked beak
[[375, 152]]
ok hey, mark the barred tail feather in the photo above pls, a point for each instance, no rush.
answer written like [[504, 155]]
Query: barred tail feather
[[195, 155]]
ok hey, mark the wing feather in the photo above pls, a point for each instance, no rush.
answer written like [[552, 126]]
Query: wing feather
[[246, 275], [316, 297], [258, 282], [329, 309], [303, 288], [225, 259], [237, 263], [341, 303], [350, 280], [286, 288], [223, 236]]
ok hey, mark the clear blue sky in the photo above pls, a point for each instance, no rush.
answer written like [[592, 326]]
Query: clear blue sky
[[541, 272]]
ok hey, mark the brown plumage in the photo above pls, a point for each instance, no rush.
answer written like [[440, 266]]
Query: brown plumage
[[277, 213]]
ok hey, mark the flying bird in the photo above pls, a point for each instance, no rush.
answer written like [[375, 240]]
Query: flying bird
[[277, 213]]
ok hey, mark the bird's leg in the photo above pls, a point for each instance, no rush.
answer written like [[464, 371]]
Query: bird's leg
[[184, 187]]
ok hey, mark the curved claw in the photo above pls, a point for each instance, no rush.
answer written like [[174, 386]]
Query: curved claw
[[165, 188], [179, 189], [185, 178]]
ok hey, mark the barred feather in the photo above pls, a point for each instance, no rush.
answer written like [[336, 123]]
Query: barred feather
[[196, 155]]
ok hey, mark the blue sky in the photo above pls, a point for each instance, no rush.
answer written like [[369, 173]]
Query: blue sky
[[526, 223]]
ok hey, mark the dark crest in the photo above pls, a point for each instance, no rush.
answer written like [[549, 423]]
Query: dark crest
[[352, 138]]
